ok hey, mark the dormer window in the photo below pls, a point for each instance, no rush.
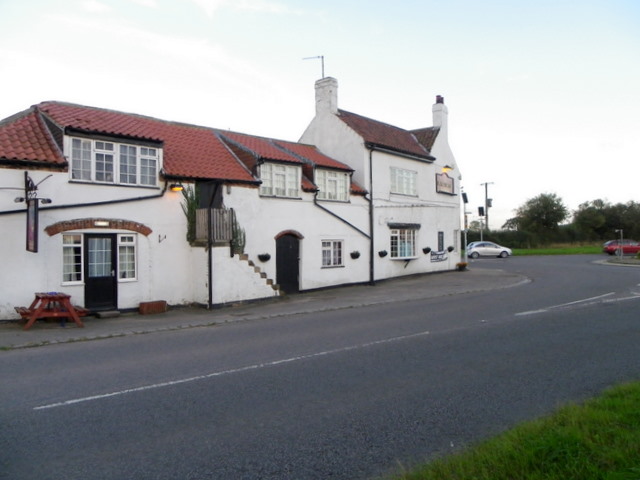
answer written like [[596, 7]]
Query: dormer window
[[115, 163], [332, 185], [280, 180]]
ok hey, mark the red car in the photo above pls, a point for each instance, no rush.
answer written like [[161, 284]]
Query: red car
[[629, 247]]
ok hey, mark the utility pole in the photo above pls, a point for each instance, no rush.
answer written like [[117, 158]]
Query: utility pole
[[487, 203]]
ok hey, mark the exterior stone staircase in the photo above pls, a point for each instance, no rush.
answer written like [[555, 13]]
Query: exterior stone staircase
[[244, 257]]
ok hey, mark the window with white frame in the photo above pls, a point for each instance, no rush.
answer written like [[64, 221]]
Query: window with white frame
[[280, 180], [72, 257], [127, 257], [403, 181], [332, 185], [114, 163], [332, 253], [403, 243]]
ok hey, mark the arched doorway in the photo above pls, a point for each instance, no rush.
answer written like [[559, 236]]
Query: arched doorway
[[288, 261]]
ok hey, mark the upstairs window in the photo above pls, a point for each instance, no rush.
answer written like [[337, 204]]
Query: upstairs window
[[280, 180], [403, 181], [114, 163], [332, 185]]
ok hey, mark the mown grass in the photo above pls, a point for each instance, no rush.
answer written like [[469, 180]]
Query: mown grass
[[597, 440], [560, 250]]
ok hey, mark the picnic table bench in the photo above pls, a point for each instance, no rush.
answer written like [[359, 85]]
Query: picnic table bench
[[51, 305]]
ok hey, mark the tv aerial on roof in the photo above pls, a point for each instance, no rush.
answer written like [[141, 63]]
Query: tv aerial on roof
[[321, 57]]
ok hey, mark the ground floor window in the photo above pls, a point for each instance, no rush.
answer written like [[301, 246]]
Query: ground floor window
[[73, 269], [127, 257], [332, 253], [403, 243], [71, 258]]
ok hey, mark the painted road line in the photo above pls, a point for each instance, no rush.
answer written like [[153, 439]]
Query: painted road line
[[256, 366]]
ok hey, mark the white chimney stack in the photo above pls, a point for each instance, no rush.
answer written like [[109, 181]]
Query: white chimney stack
[[440, 115], [327, 96]]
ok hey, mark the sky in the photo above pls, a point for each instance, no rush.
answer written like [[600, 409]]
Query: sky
[[543, 96]]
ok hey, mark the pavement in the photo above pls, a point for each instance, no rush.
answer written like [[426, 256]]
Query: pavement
[[415, 287]]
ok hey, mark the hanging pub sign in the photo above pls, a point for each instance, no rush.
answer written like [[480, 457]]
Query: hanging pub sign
[[444, 183], [32, 225]]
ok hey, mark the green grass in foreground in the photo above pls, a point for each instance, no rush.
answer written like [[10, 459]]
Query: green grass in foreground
[[558, 250], [599, 439]]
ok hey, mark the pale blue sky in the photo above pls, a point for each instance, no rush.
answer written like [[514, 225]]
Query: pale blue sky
[[543, 96]]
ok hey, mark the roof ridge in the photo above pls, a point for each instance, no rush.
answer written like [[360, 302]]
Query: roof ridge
[[373, 120], [129, 114], [18, 116]]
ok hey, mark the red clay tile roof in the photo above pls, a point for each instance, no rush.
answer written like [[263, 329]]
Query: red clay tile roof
[[384, 135], [260, 147], [189, 151], [312, 155], [24, 138]]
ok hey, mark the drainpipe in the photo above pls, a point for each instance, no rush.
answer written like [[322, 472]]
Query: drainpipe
[[371, 217], [315, 202], [210, 246], [93, 204]]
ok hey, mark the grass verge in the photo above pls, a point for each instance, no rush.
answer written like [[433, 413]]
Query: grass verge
[[597, 440], [572, 250]]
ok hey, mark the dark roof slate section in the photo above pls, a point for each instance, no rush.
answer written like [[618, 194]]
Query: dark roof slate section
[[384, 135], [427, 136]]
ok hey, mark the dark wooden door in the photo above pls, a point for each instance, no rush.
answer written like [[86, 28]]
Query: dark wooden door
[[288, 263], [100, 265]]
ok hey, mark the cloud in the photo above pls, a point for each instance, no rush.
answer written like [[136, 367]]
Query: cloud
[[146, 3], [264, 6], [94, 6]]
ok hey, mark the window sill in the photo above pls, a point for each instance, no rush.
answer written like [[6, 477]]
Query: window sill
[[277, 197], [403, 259], [329, 267]]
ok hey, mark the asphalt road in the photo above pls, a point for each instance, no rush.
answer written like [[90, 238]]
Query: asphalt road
[[348, 394]]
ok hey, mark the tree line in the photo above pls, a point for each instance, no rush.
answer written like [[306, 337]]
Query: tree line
[[545, 219]]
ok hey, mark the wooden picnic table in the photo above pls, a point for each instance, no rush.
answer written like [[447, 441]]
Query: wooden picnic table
[[51, 305]]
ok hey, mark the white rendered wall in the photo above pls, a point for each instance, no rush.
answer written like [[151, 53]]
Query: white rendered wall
[[161, 256]]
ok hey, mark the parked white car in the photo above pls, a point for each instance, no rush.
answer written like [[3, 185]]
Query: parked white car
[[487, 249]]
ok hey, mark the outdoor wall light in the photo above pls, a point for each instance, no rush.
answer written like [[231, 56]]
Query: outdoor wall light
[[447, 168], [176, 187]]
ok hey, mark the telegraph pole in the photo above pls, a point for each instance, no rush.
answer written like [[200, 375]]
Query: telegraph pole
[[487, 203]]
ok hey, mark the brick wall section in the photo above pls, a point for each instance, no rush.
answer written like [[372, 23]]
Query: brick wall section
[[105, 223]]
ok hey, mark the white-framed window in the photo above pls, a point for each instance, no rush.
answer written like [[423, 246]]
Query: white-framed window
[[280, 180], [72, 258], [114, 163], [403, 243], [332, 185], [332, 253], [127, 257], [404, 181]]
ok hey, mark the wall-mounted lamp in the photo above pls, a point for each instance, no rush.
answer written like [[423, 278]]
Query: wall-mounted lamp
[[176, 187], [447, 168]]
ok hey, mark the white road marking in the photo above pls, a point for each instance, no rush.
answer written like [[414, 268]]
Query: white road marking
[[229, 372], [585, 301]]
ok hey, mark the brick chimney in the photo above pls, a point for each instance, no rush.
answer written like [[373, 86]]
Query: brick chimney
[[327, 96]]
